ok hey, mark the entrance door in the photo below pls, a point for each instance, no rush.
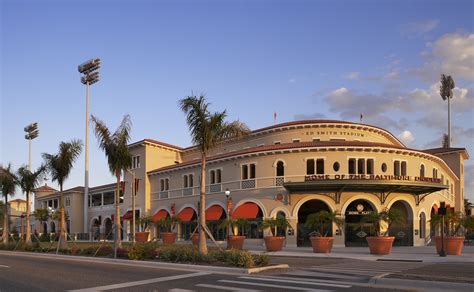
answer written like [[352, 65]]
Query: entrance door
[[356, 230], [309, 207], [403, 233]]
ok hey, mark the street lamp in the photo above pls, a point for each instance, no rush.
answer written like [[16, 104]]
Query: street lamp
[[442, 212], [133, 190], [89, 77]]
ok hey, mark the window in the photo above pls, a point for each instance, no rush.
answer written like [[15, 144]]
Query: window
[[422, 225], [185, 181], [384, 167], [276, 142], [252, 171], [56, 203], [336, 166], [218, 176], [442, 178], [360, 166], [96, 200], [452, 188], [164, 184], [310, 166], [352, 166], [191, 180], [296, 140], [320, 166], [316, 139], [404, 168], [280, 169], [136, 161], [370, 166], [68, 201], [109, 198], [245, 171], [213, 177], [396, 168], [422, 170], [435, 173]]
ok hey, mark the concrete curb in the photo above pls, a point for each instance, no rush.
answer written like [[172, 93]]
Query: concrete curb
[[149, 264], [417, 284]]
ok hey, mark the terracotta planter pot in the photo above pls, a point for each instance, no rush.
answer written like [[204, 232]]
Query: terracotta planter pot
[[141, 236], [452, 244], [168, 237], [321, 244], [380, 244], [274, 243], [235, 242], [195, 239]]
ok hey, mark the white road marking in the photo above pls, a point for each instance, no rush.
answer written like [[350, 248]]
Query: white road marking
[[2, 266], [319, 274], [228, 288], [138, 283], [314, 280], [352, 269], [274, 286], [180, 290], [325, 283]]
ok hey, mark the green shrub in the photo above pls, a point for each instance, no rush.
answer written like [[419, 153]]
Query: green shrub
[[261, 260], [142, 252]]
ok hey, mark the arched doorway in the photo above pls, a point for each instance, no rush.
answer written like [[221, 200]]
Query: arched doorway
[[355, 229], [434, 211], [45, 228], [403, 233], [108, 228], [254, 214], [215, 215], [281, 231], [422, 226], [95, 229], [309, 207], [188, 219]]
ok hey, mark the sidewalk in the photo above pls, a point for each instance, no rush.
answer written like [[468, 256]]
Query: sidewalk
[[426, 254]]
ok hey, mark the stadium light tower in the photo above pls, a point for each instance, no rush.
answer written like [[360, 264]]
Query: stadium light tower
[[32, 132], [90, 75]]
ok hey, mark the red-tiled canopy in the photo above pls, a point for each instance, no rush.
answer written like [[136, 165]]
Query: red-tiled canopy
[[160, 215], [127, 216], [186, 214], [214, 213], [247, 210]]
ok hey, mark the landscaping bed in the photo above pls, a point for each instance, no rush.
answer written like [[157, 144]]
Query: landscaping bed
[[186, 254]]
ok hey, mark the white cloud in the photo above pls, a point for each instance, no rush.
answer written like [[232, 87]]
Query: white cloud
[[419, 28], [353, 75], [452, 54], [406, 137]]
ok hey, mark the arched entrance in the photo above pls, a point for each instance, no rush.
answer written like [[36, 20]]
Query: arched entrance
[[108, 228], [95, 229], [52, 227], [355, 229], [215, 215], [403, 233], [434, 211], [254, 214], [45, 228], [188, 219], [309, 207]]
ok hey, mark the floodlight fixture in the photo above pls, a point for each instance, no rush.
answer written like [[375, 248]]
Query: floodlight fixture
[[89, 66]]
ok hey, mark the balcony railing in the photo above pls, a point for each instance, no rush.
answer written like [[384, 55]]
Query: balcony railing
[[187, 192], [164, 195], [215, 188], [248, 184]]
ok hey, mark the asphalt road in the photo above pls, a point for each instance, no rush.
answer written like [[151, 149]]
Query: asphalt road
[[21, 272]]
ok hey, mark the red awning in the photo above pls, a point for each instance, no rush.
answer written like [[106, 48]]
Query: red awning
[[247, 210], [160, 215], [186, 214], [214, 213], [127, 216]]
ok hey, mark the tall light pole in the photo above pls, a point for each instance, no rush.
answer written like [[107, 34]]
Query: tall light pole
[[32, 132], [133, 194], [90, 75]]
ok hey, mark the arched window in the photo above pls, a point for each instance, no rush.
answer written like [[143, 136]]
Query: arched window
[[213, 177], [280, 169], [185, 181], [422, 225], [422, 170], [281, 231]]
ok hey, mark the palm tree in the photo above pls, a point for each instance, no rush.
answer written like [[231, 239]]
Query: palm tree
[[8, 182], [118, 155], [446, 92], [207, 130], [59, 167], [28, 181], [42, 215]]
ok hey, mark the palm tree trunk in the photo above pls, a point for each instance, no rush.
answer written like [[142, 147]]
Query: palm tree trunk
[[117, 209], [5, 222], [63, 232], [28, 227], [202, 208]]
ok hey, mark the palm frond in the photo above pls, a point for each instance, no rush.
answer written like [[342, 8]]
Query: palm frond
[[8, 180], [60, 165]]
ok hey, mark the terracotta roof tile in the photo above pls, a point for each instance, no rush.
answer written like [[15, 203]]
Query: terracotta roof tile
[[45, 188]]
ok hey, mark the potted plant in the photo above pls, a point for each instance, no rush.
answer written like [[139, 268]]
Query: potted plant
[[455, 227], [235, 227], [168, 223], [274, 242], [382, 243], [321, 222], [144, 222]]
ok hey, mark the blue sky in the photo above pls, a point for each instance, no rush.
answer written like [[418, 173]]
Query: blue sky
[[301, 59]]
